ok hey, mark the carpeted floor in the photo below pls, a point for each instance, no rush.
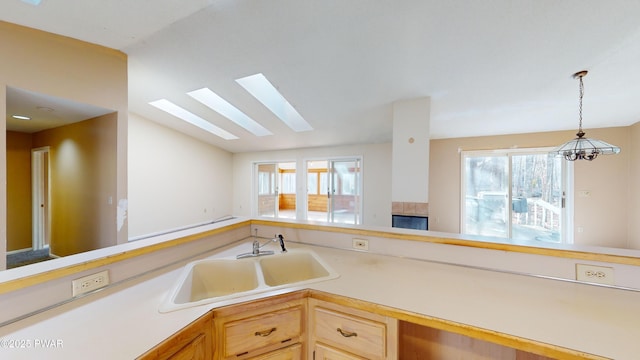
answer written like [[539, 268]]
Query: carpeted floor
[[28, 257]]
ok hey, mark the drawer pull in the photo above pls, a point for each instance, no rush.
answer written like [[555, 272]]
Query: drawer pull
[[265, 333], [347, 333]]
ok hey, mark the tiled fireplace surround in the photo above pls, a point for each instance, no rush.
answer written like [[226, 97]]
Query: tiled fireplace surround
[[410, 208]]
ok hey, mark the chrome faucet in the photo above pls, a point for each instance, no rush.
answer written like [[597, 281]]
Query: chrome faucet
[[256, 247]]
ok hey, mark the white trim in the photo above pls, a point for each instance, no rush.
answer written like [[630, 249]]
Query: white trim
[[19, 251]]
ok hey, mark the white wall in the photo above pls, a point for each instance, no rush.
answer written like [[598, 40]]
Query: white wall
[[376, 167], [410, 154], [174, 179]]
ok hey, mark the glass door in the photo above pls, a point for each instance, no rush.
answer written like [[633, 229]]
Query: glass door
[[276, 183], [344, 194], [515, 194], [267, 203], [538, 197], [486, 195]]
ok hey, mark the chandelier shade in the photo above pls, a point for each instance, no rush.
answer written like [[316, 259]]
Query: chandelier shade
[[582, 148]]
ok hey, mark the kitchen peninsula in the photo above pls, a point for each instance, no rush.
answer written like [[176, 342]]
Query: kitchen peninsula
[[509, 313]]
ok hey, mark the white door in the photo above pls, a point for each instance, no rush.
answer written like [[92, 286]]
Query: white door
[[40, 198]]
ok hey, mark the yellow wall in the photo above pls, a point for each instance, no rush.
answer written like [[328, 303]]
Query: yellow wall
[[67, 68], [603, 215], [19, 147], [82, 162]]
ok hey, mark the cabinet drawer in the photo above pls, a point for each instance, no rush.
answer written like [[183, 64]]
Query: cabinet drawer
[[357, 335], [246, 335]]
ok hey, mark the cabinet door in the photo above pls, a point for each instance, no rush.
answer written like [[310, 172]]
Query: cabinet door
[[293, 352], [193, 342], [351, 331], [322, 352], [195, 350]]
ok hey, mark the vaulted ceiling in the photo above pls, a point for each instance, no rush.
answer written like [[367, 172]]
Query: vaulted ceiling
[[490, 67]]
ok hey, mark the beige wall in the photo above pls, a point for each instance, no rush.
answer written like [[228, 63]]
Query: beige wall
[[82, 163], [174, 179], [19, 147], [633, 203], [603, 215], [67, 68]]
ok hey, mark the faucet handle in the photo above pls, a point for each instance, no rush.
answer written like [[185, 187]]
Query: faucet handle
[[280, 238]]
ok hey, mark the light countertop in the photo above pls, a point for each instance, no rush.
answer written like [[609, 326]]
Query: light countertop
[[123, 321]]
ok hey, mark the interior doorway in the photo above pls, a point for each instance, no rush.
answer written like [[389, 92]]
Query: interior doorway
[[41, 184]]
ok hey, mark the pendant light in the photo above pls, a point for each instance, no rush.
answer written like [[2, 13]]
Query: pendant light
[[582, 148]]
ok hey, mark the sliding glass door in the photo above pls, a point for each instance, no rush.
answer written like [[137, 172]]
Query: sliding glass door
[[344, 192], [334, 190], [514, 194]]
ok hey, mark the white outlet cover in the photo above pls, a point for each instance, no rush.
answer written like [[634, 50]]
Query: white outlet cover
[[89, 283], [595, 274], [360, 244]]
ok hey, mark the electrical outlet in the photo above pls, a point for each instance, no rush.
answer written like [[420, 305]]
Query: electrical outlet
[[360, 244], [595, 274], [90, 283]]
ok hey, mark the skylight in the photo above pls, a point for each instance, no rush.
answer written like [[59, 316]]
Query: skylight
[[258, 86], [177, 111], [224, 108]]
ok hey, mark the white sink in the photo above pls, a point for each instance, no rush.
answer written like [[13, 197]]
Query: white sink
[[212, 280], [291, 268]]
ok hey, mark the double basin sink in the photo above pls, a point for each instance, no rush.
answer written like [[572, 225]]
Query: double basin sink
[[212, 280]]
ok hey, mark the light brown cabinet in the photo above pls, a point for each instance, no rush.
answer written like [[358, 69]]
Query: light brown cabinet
[[272, 328], [322, 352], [193, 342], [342, 332], [293, 352], [311, 325]]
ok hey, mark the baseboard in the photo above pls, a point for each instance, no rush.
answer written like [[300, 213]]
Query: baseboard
[[19, 251]]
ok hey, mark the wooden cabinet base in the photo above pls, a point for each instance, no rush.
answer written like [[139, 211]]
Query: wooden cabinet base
[[193, 342], [422, 342]]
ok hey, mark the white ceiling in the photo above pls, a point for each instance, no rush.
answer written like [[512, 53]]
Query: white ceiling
[[490, 67]]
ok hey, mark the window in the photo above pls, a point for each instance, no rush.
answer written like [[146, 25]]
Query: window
[[517, 194], [288, 181], [312, 183]]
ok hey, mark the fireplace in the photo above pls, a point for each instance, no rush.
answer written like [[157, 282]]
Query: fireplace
[[410, 222]]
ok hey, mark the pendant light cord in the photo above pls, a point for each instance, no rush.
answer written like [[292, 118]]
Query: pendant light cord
[[580, 75], [580, 132]]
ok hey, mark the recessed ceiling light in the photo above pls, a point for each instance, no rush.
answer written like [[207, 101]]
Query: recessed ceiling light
[[224, 108], [258, 86], [21, 117], [177, 111], [33, 2]]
